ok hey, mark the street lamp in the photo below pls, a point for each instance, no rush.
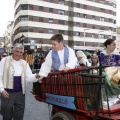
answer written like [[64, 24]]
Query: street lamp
[[41, 42], [22, 39], [85, 36], [99, 38]]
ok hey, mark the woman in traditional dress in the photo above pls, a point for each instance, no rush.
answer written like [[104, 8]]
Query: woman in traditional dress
[[110, 56]]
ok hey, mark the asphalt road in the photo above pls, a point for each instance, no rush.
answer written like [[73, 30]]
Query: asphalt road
[[34, 110]]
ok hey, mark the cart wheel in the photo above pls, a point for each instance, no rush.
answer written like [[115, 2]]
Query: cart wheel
[[62, 116]]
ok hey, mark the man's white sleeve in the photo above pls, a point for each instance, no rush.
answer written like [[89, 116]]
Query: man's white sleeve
[[30, 77], [46, 66]]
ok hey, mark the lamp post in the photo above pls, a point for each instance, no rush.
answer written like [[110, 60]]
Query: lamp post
[[99, 38], [85, 36], [22, 39], [41, 43]]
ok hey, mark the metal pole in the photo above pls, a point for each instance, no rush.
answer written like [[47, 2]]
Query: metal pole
[[85, 36], [99, 38]]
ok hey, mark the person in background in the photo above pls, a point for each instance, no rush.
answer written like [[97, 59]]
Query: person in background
[[89, 58], [14, 74], [60, 58], [110, 56], [94, 60], [82, 59], [94, 63], [36, 63]]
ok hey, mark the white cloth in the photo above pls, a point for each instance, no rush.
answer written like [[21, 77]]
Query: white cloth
[[111, 101], [47, 65], [85, 62], [18, 72], [114, 52]]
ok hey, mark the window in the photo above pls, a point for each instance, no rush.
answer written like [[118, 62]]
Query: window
[[71, 13], [110, 20], [93, 35], [114, 5], [93, 26], [103, 2], [40, 19], [110, 3], [110, 28], [30, 7], [62, 22], [23, 18], [84, 6], [51, 10], [31, 18], [114, 21], [109, 36], [78, 14], [24, 7], [41, 8], [50, 20], [93, 8], [70, 33], [84, 16], [30, 29], [61, 31], [61, 2], [77, 33], [78, 5], [101, 27], [41, 30], [61, 12], [102, 10], [102, 19], [23, 29], [51, 1], [84, 25], [110, 12], [93, 17], [70, 4], [78, 24], [70, 23], [102, 36], [51, 31]]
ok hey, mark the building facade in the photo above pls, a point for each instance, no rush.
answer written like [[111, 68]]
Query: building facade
[[85, 24], [8, 37], [2, 45]]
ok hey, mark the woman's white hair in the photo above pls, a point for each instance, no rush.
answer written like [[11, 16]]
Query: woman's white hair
[[80, 54], [18, 45]]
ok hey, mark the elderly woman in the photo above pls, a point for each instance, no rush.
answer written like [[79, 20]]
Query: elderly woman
[[82, 59]]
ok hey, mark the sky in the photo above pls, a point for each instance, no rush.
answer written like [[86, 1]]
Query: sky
[[7, 14]]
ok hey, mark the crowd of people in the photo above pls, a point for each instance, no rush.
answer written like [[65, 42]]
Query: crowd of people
[[16, 72]]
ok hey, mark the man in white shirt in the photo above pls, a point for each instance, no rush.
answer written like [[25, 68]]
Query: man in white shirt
[[14, 74], [59, 58]]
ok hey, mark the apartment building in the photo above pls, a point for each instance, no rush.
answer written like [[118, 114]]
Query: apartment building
[[8, 37], [85, 24]]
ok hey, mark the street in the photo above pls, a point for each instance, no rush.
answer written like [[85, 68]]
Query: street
[[34, 110]]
